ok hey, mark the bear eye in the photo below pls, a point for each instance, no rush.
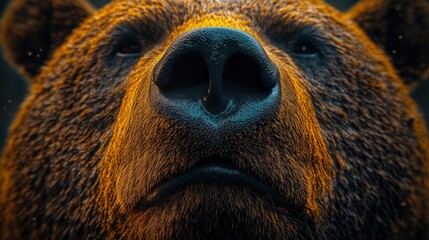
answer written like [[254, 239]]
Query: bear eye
[[305, 48], [129, 49]]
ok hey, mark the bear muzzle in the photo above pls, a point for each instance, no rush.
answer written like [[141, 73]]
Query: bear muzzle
[[222, 81]]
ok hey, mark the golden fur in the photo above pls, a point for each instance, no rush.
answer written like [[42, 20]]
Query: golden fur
[[347, 146]]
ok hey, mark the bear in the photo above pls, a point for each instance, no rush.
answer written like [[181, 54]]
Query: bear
[[244, 119]]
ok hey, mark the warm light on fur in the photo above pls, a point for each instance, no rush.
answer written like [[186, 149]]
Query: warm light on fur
[[346, 148]]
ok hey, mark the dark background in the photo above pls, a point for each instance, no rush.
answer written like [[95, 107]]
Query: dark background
[[13, 87]]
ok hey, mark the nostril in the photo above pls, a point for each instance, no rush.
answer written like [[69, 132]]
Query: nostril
[[189, 71], [189, 77], [242, 76]]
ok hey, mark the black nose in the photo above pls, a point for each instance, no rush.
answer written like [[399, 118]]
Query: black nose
[[216, 72]]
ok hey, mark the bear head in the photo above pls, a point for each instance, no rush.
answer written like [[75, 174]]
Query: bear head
[[245, 119]]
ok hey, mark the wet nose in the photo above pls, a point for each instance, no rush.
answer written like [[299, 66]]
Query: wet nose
[[219, 72]]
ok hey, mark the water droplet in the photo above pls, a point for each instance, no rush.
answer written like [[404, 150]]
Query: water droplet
[[9, 101], [400, 37], [394, 51]]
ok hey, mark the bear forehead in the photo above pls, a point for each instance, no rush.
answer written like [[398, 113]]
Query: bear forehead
[[267, 3], [260, 17], [248, 8]]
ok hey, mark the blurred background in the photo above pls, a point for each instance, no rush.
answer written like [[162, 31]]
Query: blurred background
[[13, 87]]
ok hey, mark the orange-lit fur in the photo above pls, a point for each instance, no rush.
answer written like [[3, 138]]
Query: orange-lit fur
[[347, 146]]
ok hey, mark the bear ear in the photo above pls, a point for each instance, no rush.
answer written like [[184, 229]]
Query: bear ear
[[401, 28], [32, 29]]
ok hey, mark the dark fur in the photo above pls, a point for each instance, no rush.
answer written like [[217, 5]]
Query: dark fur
[[347, 147]]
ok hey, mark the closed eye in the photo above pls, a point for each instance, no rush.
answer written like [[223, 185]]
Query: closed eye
[[129, 49]]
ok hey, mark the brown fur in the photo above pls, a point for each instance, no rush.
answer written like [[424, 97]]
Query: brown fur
[[347, 146]]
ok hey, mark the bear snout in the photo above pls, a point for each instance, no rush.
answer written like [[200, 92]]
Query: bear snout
[[216, 76]]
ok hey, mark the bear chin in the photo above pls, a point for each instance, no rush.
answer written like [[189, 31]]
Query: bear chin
[[205, 211]]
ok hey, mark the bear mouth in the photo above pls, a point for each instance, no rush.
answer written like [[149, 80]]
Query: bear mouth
[[211, 171]]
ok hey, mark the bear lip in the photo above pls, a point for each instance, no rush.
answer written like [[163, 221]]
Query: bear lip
[[210, 173]]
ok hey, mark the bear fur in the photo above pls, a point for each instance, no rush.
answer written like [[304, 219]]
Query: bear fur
[[347, 146]]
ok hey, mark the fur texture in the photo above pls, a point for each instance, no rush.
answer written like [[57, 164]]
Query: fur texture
[[347, 147]]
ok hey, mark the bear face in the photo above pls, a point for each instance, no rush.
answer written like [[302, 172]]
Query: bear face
[[217, 120]]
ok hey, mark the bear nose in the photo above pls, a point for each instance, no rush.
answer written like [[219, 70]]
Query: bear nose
[[223, 70]]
